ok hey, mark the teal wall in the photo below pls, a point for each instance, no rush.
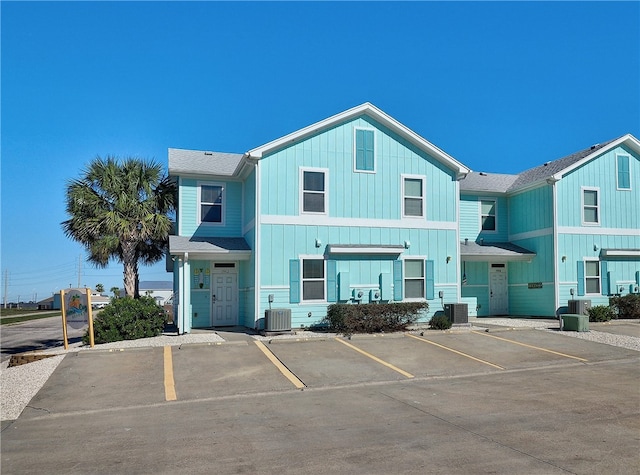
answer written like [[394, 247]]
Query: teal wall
[[618, 208], [189, 207], [531, 210], [475, 293], [200, 298], [353, 194], [470, 227]]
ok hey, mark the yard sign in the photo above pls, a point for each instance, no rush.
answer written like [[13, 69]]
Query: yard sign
[[76, 312]]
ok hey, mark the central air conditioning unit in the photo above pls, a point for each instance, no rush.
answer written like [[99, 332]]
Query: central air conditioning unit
[[457, 312], [579, 307], [374, 295], [277, 320], [358, 294]]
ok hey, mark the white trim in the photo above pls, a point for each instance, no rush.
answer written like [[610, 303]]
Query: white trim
[[527, 284], [319, 220], [495, 215], [598, 231], [375, 148], [592, 259], [275, 287], [582, 205], [423, 180], [249, 226], [302, 258], [458, 259], [620, 253], [223, 206], [325, 193], [179, 209], [373, 112], [506, 272], [617, 155], [404, 260], [258, 237], [340, 249], [556, 263]]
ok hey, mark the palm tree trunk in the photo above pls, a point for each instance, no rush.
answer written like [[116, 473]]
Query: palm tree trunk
[[130, 263]]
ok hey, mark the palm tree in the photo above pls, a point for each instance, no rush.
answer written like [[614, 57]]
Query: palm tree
[[115, 291], [99, 288], [120, 210]]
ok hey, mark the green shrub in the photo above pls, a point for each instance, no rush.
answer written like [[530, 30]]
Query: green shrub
[[373, 318], [127, 319], [600, 313], [439, 322], [627, 306]]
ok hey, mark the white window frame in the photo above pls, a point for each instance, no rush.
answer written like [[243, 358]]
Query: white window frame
[[582, 205], [314, 279], [375, 161], [618, 174], [325, 192], [587, 277], [495, 215], [223, 207], [423, 179], [422, 259]]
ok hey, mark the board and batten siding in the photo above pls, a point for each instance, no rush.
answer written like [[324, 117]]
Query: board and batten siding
[[189, 209], [531, 210], [470, 218], [353, 194], [618, 208]]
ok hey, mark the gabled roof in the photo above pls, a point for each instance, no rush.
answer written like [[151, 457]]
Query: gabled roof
[[373, 112], [198, 162], [555, 170]]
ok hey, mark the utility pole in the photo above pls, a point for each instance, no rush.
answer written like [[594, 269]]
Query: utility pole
[[6, 283], [79, 269]]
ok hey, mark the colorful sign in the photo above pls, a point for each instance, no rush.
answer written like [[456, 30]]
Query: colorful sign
[[76, 312]]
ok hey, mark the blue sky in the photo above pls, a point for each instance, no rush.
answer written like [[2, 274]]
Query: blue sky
[[500, 86]]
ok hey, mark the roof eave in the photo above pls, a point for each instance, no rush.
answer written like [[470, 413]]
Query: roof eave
[[373, 112]]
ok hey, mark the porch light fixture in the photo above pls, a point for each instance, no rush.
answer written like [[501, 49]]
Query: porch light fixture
[[448, 259], [407, 244], [318, 242], [564, 258]]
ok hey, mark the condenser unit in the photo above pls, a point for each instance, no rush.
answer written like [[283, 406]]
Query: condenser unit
[[374, 295], [358, 294], [579, 307], [277, 320], [457, 312]]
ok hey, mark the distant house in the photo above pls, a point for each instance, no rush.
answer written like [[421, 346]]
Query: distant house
[[358, 208], [161, 291]]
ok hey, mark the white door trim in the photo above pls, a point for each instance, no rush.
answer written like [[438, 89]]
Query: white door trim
[[224, 300], [498, 296]]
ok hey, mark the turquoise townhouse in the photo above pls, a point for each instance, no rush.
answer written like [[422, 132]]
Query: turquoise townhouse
[[358, 208]]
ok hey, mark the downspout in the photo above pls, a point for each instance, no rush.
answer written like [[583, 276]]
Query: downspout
[[460, 176], [257, 251], [186, 295], [556, 271]]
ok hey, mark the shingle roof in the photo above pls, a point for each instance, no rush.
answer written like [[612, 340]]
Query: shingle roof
[[548, 169], [201, 162], [487, 182], [496, 251], [180, 244]]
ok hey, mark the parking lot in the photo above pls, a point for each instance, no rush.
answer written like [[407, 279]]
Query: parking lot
[[524, 401]]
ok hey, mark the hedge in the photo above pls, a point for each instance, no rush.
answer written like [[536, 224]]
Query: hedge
[[374, 317], [627, 306]]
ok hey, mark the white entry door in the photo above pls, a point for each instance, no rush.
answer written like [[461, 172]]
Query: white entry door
[[224, 298], [498, 296]]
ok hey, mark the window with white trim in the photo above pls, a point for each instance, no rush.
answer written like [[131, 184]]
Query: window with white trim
[[313, 279], [414, 279], [364, 153], [590, 206], [211, 203], [488, 215], [592, 277], [623, 170], [314, 195], [413, 191]]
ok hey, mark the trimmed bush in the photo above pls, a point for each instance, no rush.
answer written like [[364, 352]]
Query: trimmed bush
[[373, 318], [439, 322], [128, 319], [600, 313], [627, 306]]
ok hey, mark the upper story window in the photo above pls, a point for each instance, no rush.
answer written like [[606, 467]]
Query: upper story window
[[623, 164], [413, 191], [488, 215], [364, 150], [590, 206], [313, 279], [592, 277], [212, 203], [313, 193], [414, 279]]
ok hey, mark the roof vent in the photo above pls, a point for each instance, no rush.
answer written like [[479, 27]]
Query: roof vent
[[208, 153], [594, 145], [483, 174], [546, 163]]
